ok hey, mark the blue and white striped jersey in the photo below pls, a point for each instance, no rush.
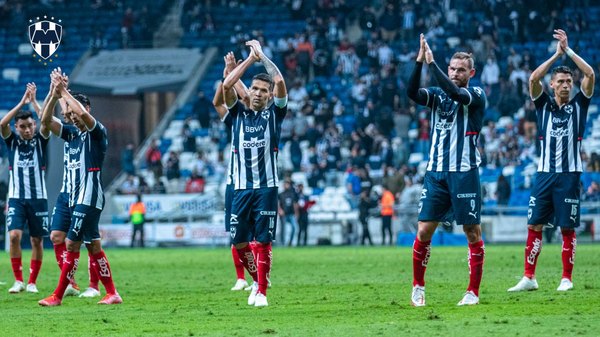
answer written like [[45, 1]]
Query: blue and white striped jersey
[[66, 185], [27, 166], [561, 131], [228, 123], [454, 130], [86, 156], [256, 140]]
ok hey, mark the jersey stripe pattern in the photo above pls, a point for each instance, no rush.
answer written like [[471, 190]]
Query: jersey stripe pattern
[[256, 138], [228, 123], [27, 167], [86, 155], [454, 130], [560, 132], [66, 185]]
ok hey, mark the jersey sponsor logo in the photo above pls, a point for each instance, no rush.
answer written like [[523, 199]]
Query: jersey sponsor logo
[[571, 201], [233, 219], [535, 250], [268, 213], [466, 195], [74, 165], [25, 163], [444, 113], [443, 125], [558, 133], [252, 129], [26, 153], [559, 121], [74, 151], [41, 213], [250, 144], [423, 193]]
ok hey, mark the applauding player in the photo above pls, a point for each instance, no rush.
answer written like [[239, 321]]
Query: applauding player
[[561, 124], [86, 155], [256, 132], [451, 183]]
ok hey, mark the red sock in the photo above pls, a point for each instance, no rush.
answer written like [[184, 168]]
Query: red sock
[[239, 267], [532, 251], [67, 272], [34, 270], [421, 253], [60, 251], [476, 257], [247, 258], [103, 270], [94, 279], [17, 268], [264, 256], [568, 252]]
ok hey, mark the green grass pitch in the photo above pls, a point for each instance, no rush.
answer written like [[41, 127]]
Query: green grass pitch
[[329, 291]]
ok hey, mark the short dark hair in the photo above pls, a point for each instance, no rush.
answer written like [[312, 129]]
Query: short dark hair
[[465, 56], [83, 99], [562, 70], [265, 78], [23, 114]]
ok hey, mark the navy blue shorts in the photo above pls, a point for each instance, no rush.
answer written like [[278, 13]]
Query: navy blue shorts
[[228, 202], [61, 214], [253, 215], [451, 194], [555, 199], [33, 212], [84, 224]]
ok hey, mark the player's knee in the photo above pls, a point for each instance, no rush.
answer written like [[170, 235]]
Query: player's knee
[[425, 231], [15, 237], [36, 241], [57, 237], [537, 228]]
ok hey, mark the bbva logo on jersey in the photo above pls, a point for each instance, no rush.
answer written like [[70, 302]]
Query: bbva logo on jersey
[[45, 36]]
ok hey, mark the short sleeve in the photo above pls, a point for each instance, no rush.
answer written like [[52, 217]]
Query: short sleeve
[[541, 100], [478, 97], [98, 132]]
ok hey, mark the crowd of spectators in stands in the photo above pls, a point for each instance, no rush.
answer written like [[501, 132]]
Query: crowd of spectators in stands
[[351, 64]]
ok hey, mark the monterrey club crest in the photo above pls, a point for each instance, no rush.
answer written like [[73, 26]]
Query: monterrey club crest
[[45, 37]]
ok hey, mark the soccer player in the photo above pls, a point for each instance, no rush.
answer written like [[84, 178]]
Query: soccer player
[[451, 182], [555, 195], [87, 148], [256, 132], [27, 196], [219, 104], [61, 214]]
